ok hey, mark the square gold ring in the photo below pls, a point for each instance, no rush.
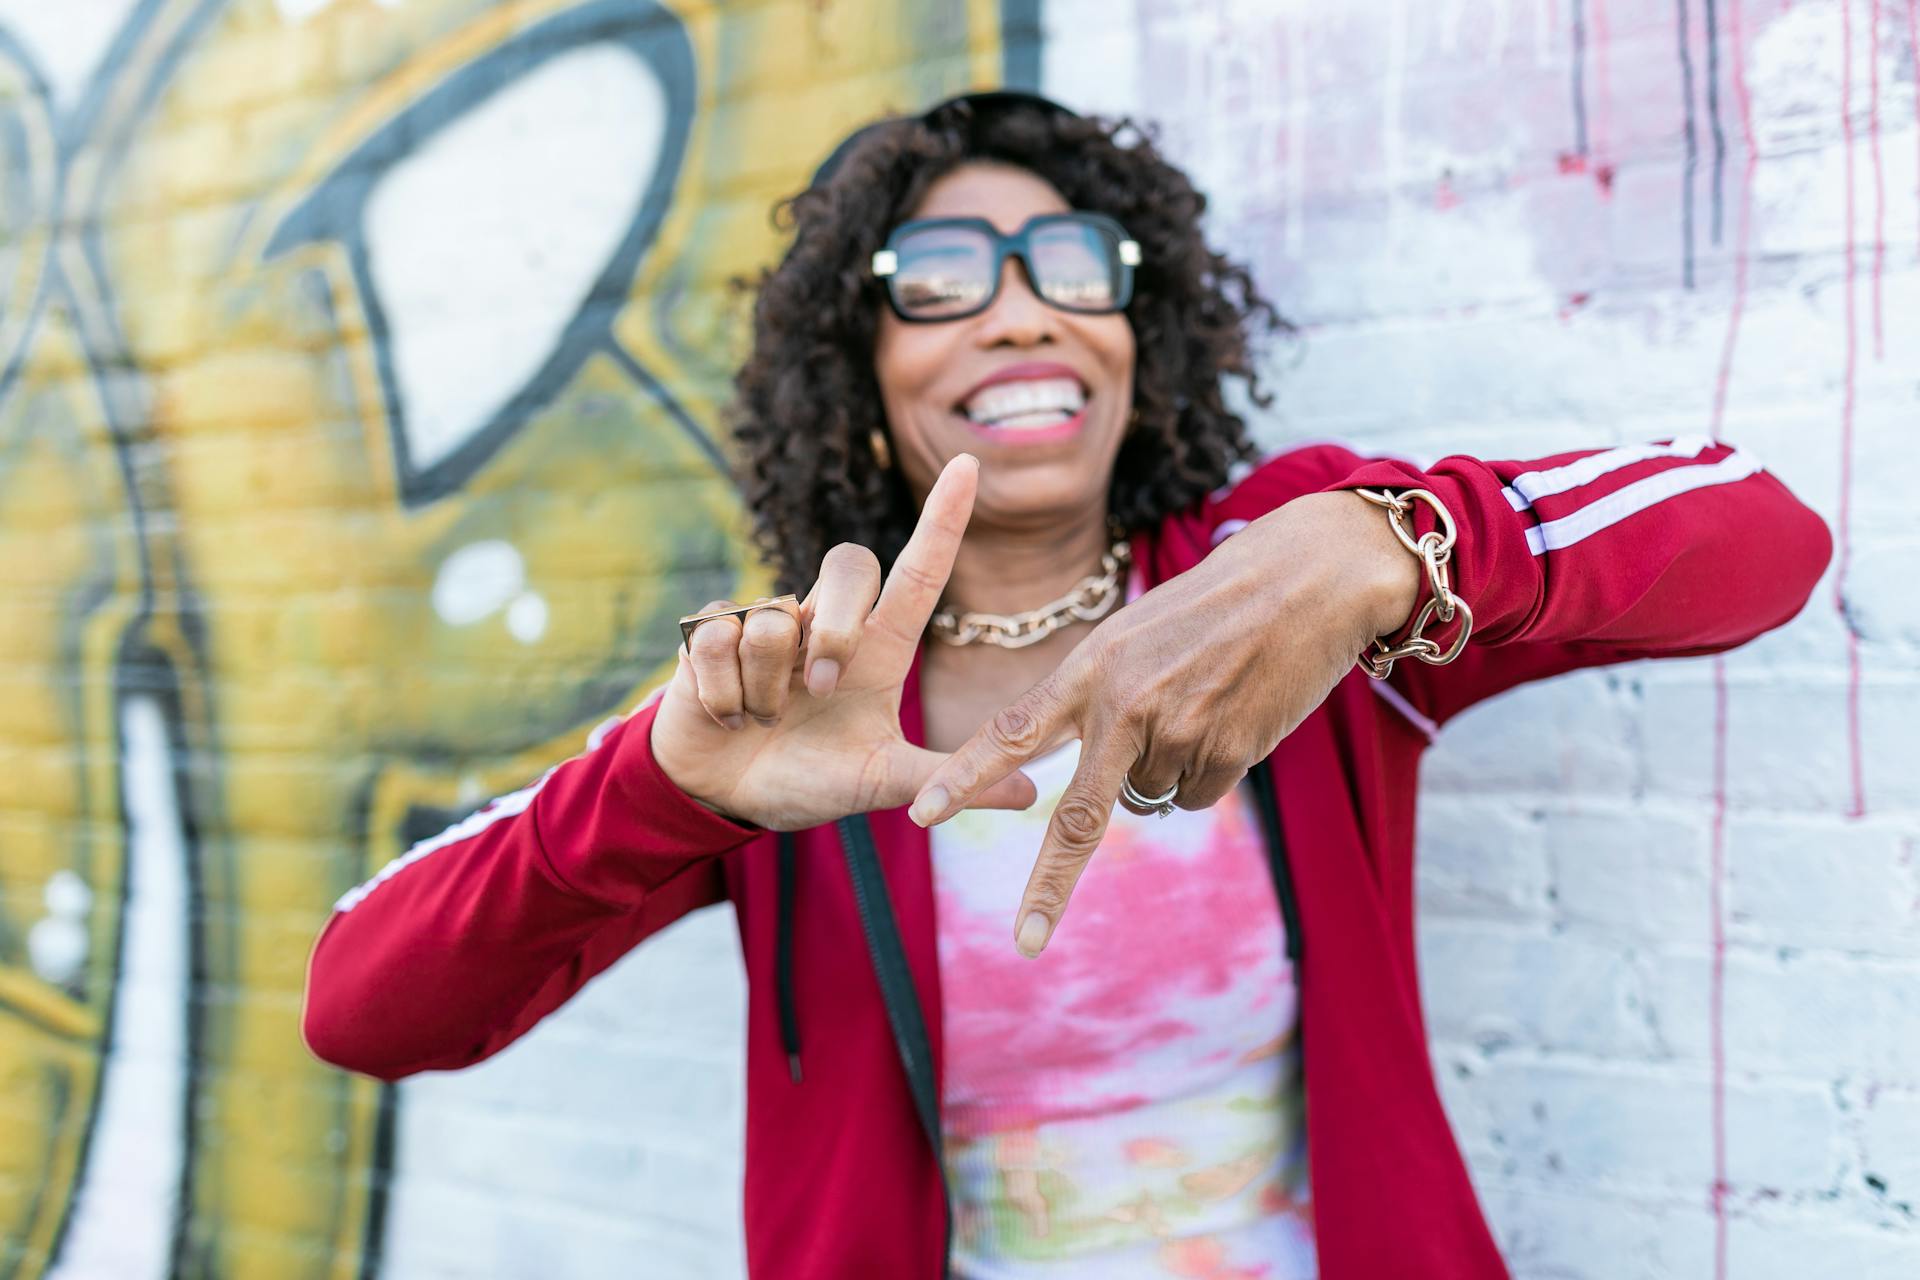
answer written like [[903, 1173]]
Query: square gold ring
[[692, 620]]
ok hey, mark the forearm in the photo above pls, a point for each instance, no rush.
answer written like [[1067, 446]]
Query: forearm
[[458, 947]]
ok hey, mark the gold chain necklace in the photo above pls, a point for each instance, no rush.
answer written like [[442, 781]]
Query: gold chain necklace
[[1091, 599]]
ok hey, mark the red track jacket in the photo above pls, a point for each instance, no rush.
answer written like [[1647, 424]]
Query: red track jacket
[[469, 939]]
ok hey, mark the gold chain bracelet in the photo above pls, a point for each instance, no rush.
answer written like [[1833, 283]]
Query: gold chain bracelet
[[1434, 549]]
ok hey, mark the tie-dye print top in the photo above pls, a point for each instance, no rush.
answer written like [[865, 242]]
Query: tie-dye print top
[[1129, 1104]]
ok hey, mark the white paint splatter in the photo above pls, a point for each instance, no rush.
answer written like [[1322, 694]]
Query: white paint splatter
[[57, 950], [527, 618], [477, 580], [67, 895]]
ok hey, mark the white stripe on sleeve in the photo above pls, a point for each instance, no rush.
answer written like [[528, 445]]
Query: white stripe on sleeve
[[1531, 486], [1637, 497], [471, 825], [1398, 701], [1226, 529]]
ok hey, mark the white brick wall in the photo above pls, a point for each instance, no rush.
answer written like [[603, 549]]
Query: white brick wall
[[1459, 292]]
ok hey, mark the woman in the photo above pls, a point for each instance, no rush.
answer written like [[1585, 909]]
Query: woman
[[961, 390]]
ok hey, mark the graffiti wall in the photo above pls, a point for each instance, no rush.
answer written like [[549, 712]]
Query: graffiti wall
[[358, 378], [360, 369]]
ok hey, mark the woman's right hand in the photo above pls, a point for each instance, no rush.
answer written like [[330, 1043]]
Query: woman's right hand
[[793, 719]]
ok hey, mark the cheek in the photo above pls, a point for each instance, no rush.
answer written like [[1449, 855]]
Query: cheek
[[906, 360], [1112, 340]]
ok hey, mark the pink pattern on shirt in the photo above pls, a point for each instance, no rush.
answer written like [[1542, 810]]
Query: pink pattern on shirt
[[1128, 1103]]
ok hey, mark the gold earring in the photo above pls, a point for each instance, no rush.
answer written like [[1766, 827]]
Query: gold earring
[[882, 452]]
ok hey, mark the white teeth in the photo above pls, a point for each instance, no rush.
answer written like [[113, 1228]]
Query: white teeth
[[1015, 404], [1027, 421]]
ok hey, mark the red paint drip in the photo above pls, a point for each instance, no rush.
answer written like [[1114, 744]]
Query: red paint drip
[[1879, 177], [1737, 309], [1717, 842], [1717, 972], [1857, 806]]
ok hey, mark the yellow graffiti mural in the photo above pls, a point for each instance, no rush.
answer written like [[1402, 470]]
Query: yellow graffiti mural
[[363, 366]]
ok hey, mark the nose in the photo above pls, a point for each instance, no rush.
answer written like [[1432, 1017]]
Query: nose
[[1017, 318]]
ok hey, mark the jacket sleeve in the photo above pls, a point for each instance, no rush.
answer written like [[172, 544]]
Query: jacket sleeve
[[459, 946], [1678, 547]]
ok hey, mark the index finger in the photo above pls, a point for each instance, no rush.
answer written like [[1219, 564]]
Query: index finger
[[920, 572], [1074, 833], [1035, 722]]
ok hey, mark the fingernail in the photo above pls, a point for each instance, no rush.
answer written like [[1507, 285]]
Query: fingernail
[[822, 676], [734, 721], [930, 805], [1033, 935]]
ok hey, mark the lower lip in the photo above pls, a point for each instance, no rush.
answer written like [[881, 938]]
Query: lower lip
[[1030, 435]]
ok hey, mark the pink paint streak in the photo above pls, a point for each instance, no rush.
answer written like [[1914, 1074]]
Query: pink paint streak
[[1717, 974], [1843, 534], [1717, 843], [1743, 99], [1913, 47]]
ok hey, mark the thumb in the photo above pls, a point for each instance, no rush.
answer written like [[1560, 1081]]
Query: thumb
[[911, 766]]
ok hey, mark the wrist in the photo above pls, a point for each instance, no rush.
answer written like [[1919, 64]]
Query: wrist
[[1388, 578], [1377, 575], [1338, 547], [673, 764]]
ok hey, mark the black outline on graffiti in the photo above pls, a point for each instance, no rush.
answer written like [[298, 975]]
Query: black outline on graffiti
[[335, 210]]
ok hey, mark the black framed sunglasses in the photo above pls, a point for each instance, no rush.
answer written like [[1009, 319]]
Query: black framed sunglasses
[[949, 268]]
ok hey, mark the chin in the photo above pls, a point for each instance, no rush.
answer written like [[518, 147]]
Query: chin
[[1038, 494]]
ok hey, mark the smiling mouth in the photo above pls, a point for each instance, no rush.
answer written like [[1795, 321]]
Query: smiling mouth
[[1026, 405]]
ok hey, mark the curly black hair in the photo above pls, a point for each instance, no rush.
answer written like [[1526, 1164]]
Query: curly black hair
[[807, 398]]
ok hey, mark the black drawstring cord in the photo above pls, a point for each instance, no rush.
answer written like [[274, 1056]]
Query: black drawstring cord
[[783, 958], [1267, 803]]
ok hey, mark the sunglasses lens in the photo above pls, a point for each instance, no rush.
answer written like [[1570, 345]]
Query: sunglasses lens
[[943, 271], [1076, 265]]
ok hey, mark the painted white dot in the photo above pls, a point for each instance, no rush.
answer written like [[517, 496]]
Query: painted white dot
[[57, 949], [67, 896], [476, 580], [527, 617]]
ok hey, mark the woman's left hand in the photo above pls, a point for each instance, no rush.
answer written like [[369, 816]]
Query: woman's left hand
[[1194, 683]]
